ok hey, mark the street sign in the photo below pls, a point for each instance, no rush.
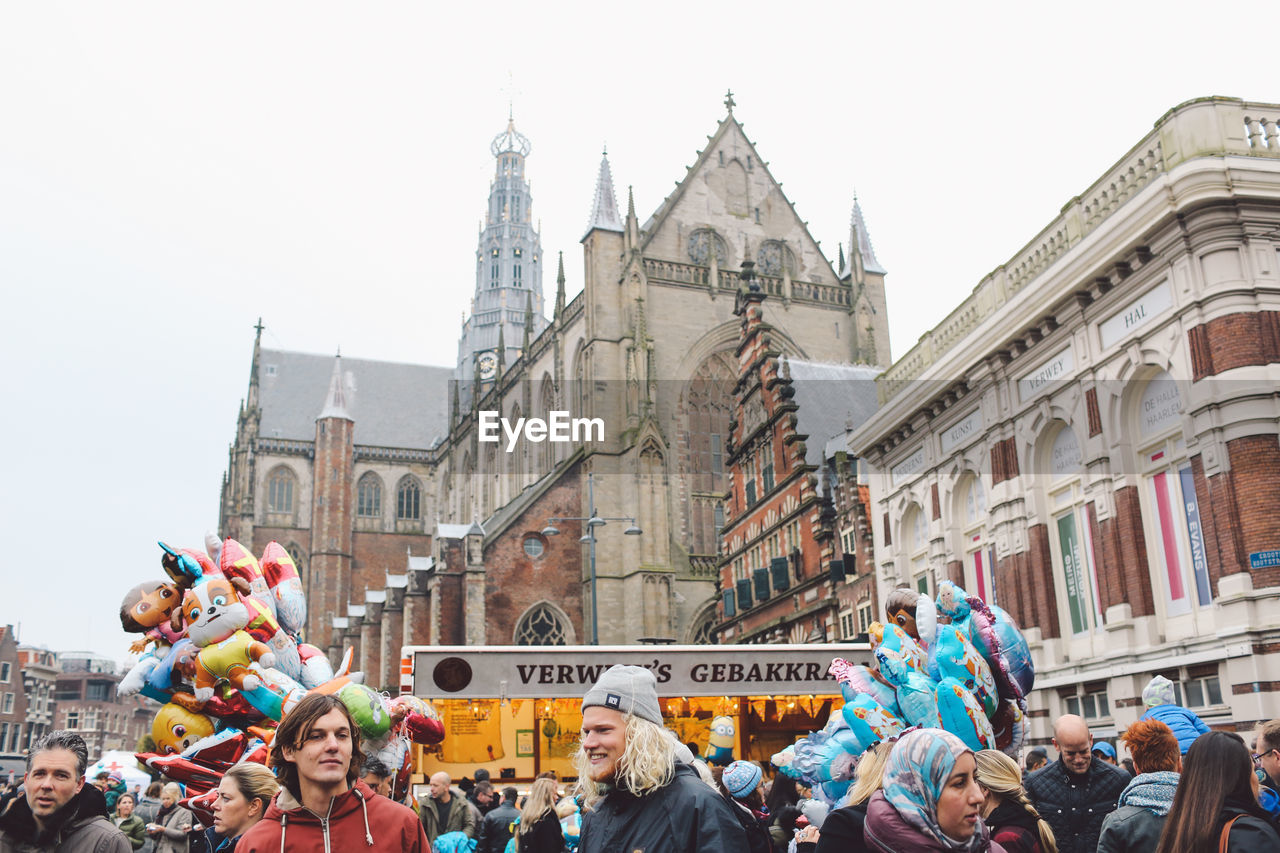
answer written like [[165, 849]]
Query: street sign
[[1264, 559]]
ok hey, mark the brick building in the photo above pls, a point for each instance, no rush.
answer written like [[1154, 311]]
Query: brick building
[[13, 700], [410, 529], [87, 704], [782, 573], [1091, 437], [39, 684]]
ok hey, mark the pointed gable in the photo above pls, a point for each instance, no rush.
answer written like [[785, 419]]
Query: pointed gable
[[729, 190]]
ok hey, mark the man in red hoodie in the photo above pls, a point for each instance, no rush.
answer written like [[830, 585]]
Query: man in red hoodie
[[322, 804]]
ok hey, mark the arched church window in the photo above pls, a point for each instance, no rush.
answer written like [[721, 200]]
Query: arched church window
[[701, 243], [369, 496], [541, 626], [409, 499], [280, 484], [707, 406]]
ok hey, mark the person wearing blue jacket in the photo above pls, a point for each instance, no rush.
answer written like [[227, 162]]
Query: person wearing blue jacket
[[1186, 726]]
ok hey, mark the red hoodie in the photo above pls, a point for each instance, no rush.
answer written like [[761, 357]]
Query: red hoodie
[[357, 820]]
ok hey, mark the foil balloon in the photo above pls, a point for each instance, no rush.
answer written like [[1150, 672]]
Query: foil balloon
[[147, 609], [958, 659], [176, 729], [367, 710], [997, 637], [916, 696], [722, 740], [281, 575], [895, 639], [215, 619], [870, 722], [1009, 728], [963, 716], [236, 561], [953, 603], [857, 678]]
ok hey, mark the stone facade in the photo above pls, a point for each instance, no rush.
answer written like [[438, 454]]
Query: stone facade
[[39, 684], [647, 347], [87, 705], [1091, 438]]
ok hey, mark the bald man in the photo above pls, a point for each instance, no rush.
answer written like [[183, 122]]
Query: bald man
[[1076, 792], [445, 809]]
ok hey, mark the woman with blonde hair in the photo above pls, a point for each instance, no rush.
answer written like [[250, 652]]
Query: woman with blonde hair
[[243, 796], [1014, 822], [172, 822], [842, 830], [538, 830]]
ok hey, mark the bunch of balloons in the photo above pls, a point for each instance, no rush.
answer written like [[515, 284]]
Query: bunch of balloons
[[220, 649], [954, 662]]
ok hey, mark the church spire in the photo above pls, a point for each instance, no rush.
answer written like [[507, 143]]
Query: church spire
[[633, 224], [560, 287], [335, 405], [253, 368], [604, 207], [528, 325], [860, 241]]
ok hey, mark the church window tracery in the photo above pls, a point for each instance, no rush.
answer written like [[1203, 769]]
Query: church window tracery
[[409, 500], [541, 626], [280, 485], [774, 257], [701, 243], [369, 496]]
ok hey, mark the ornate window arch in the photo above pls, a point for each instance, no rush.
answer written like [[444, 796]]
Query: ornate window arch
[[702, 630], [547, 404], [409, 498], [369, 496], [706, 409], [282, 484], [775, 256], [543, 624]]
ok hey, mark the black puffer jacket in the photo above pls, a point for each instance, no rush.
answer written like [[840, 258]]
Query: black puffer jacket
[[686, 816], [84, 830], [842, 831], [1075, 806], [1251, 833]]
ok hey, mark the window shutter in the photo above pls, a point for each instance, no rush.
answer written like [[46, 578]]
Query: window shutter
[[762, 584], [744, 594], [781, 573], [837, 571]]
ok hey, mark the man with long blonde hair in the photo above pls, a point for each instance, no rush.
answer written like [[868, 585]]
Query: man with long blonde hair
[[636, 794]]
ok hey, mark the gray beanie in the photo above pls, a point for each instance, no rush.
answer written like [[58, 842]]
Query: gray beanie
[[629, 689]]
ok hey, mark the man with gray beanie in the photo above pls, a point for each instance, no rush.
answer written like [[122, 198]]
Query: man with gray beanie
[[636, 794]]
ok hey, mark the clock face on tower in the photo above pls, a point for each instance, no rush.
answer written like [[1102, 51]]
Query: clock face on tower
[[487, 364]]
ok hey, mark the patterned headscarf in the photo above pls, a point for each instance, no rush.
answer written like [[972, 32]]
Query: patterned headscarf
[[921, 763]]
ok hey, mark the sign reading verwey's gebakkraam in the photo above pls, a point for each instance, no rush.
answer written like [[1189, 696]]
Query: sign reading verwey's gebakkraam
[[546, 672]]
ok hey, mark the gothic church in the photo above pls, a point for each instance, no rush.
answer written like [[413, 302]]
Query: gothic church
[[408, 529]]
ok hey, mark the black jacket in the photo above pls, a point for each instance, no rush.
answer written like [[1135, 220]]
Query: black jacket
[[686, 816], [83, 829], [1014, 829], [758, 838], [1075, 806], [842, 831], [1251, 833], [495, 829], [546, 836]]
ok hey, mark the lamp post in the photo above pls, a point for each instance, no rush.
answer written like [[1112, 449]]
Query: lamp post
[[593, 521]]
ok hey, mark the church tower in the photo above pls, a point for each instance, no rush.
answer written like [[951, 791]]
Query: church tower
[[329, 578], [508, 268]]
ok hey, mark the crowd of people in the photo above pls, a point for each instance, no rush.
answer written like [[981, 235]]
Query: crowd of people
[[639, 788]]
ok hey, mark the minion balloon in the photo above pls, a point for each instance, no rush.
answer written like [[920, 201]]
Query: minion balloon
[[720, 746]]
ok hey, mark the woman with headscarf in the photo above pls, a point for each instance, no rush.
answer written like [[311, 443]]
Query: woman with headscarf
[[931, 801]]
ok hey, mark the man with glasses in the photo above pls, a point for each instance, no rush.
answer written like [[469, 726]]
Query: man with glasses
[[1266, 756], [1075, 793]]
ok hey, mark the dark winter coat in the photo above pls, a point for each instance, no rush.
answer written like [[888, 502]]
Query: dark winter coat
[[545, 836], [1014, 828], [685, 816], [1249, 834], [758, 838], [84, 828], [1075, 806], [842, 831], [495, 829], [1135, 825], [357, 820], [886, 832]]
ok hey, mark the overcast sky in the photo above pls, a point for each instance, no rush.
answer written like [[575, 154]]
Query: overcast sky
[[171, 172]]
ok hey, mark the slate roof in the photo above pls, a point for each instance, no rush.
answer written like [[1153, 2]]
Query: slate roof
[[831, 397], [393, 404]]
